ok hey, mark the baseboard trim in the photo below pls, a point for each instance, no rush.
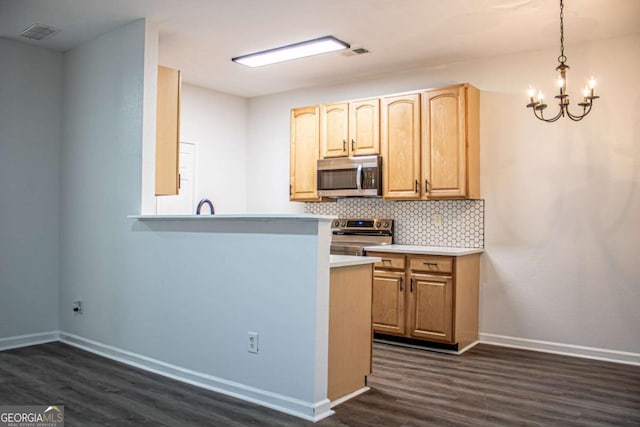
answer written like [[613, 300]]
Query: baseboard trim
[[302, 409], [468, 347], [28, 340], [564, 349], [351, 395]]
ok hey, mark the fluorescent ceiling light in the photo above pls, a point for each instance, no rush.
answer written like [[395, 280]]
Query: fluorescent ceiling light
[[292, 51]]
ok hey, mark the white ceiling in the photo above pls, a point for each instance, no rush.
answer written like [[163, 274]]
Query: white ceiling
[[201, 36]]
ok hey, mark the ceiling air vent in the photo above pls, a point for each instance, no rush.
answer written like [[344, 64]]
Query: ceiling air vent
[[39, 32], [355, 51]]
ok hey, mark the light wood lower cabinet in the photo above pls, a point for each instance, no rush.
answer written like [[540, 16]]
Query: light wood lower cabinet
[[433, 298], [350, 334], [388, 301], [431, 307]]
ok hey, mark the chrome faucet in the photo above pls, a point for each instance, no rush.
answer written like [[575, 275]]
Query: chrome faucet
[[205, 202]]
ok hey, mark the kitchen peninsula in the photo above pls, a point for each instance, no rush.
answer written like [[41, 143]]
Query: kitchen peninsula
[[269, 275]]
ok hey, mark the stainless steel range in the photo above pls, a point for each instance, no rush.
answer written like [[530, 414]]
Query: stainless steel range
[[349, 236]]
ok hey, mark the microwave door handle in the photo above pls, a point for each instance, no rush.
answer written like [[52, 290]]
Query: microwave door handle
[[359, 177]]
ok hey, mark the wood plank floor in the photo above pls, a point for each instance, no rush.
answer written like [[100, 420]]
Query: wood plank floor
[[487, 386]]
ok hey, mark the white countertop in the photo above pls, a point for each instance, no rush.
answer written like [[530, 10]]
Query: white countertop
[[348, 260], [424, 250], [237, 217]]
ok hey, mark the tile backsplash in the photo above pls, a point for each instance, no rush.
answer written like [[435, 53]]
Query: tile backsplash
[[462, 220]]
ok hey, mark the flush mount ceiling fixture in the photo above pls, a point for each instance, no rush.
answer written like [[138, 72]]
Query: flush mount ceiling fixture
[[292, 51], [537, 101]]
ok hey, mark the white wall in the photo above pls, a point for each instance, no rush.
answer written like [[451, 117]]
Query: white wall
[[562, 200], [181, 294], [30, 134], [217, 123]]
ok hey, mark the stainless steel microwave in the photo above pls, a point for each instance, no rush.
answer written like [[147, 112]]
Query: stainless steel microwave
[[350, 176]]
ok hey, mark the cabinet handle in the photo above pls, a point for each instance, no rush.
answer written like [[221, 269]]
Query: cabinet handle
[[430, 263], [411, 285], [290, 189], [344, 145], [417, 185], [426, 186], [401, 280], [353, 145], [386, 260]]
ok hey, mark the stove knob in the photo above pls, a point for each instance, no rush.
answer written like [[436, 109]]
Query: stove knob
[[378, 225], [385, 225], [336, 223], [343, 224]]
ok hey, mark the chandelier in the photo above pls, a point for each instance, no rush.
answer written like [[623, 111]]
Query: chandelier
[[537, 100]]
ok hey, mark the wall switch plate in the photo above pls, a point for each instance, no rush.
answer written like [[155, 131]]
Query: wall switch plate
[[253, 342], [437, 219]]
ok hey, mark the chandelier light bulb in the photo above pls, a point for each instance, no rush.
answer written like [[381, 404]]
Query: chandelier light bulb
[[592, 82], [560, 81], [585, 91], [531, 92], [540, 96]]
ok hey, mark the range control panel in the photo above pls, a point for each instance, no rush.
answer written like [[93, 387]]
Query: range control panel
[[355, 225]]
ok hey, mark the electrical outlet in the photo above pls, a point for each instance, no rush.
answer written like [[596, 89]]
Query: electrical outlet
[[253, 342], [437, 219], [77, 306]]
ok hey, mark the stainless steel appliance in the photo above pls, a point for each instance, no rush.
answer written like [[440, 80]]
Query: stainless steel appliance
[[350, 176], [349, 236]]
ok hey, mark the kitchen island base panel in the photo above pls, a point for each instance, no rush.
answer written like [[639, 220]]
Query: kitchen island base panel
[[350, 333]]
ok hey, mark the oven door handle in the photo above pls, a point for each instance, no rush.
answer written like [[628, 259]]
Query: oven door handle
[[359, 177]]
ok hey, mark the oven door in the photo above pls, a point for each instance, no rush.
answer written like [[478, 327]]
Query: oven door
[[355, 250], [344, 177]]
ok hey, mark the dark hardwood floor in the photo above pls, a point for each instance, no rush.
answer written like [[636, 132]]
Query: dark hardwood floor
[[487, 386]]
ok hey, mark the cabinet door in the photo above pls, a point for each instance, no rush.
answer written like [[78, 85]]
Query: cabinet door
[[444, 162], [167, 132], [388, 302], [305, 142], [364, 127], [400, 124], [334, 132], [431, 307]]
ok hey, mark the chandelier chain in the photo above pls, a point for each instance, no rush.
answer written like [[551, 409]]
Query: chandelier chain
[[562, 59]]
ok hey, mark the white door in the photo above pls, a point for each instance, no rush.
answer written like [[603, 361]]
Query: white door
[[183, 203]]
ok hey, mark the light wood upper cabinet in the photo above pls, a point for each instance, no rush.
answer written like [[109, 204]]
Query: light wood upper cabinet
[[168, 132], [350, 128], [364, 127], [334, 134], [305, 140], [450, 143], [400, 146]]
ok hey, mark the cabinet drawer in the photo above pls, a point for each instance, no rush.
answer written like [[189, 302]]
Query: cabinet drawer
[[393, 261], [433, 264]]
